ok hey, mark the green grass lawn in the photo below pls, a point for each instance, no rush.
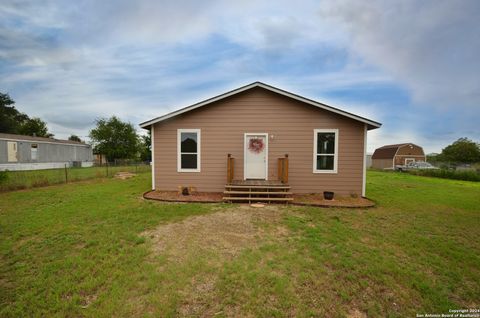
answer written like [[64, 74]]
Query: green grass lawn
[[96, 249], [15, 180]]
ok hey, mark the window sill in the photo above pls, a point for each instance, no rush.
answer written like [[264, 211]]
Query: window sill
[[325, 171], [188, 170]]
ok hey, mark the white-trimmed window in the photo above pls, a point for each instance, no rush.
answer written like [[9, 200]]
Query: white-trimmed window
[[188, 150], [33, 151], [325, 150]]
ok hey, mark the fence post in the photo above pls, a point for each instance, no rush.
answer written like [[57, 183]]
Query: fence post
[[66, 174], [106, 165]]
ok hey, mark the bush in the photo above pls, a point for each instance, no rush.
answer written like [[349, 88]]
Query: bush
[[3, 176], [448, 174]]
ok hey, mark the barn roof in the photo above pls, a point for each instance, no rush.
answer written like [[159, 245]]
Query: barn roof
[[370, 123], [389, 151], [40, 139]]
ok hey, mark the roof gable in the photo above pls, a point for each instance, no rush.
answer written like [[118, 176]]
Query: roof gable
[[389, 151], [370, 123]]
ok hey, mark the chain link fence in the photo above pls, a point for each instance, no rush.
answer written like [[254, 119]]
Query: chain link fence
[[16, 180]]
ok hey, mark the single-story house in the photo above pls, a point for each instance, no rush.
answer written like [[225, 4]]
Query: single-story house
[[19, 152], [259, 135], [391, 156]]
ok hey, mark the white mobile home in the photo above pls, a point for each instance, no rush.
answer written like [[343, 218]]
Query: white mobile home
[[19, 152]]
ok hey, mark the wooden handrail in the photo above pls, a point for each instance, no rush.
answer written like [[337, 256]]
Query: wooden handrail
[[230, 168], [280, 169], [283, 169]]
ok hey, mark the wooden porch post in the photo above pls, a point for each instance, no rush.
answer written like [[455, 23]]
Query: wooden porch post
[[285, 169], [282, 167], [230, 168]]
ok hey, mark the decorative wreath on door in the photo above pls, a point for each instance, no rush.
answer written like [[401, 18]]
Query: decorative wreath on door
[[256, 145]]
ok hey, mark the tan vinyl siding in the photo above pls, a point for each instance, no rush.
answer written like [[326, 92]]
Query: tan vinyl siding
[[223, 125]]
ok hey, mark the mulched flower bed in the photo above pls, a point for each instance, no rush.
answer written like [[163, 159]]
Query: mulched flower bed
[[175, 196], [216, 197]]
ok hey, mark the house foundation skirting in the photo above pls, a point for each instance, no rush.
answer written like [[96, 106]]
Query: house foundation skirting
[[40, 165]]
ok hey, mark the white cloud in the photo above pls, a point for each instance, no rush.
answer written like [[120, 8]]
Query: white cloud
[[89, 58], [432, 47]]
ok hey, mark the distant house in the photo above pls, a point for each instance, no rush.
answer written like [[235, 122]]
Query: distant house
[[369, 160], [260, 136], [18, 152], [390, 156], [99, 159]]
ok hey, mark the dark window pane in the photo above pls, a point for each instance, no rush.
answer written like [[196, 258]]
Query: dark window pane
[[189, 161], [326, 143], [325, 162], [189, 142]]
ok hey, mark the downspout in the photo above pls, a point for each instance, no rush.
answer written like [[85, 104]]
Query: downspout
[[364, 181], [152, 146]]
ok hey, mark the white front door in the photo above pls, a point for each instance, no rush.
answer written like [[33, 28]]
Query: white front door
[[256, 156], [12, 151]]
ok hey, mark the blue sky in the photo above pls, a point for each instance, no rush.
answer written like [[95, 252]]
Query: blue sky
[[412, 65]]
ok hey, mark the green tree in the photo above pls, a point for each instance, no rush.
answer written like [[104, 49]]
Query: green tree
[[74, 138], [145, 147], [10, 118], [14, 122], [463, 150], [115, 139], [34, 127]]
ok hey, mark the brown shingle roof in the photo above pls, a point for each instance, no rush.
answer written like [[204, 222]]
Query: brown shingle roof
[[385, 153], [388, 151], [39, 139], [396, 146]]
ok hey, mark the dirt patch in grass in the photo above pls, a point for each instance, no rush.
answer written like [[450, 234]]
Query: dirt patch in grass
[[355, 313], [175, 196], [124, 175], [210, 241], [226, 232], [197, 300]]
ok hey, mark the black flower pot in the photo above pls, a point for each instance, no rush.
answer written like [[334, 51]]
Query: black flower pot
[[327, 195]]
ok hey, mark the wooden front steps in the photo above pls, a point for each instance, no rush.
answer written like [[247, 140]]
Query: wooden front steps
[[257, 191]]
